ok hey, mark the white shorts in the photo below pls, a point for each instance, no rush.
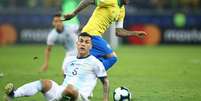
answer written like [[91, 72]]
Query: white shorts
[[55, 93]]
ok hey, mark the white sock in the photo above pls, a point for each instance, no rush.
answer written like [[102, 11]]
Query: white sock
[[28, 89]]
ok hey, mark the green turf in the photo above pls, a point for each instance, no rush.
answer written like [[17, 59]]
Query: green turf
[[160, 73]]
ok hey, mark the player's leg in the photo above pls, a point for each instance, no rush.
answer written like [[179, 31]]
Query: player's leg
[[100, 20], [102, 50], [72, 93], [28, 89], [109, 60]]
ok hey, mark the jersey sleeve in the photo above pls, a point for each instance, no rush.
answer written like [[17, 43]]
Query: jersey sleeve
[[100, 69], [52, 37], [120, 20], [64, 65]]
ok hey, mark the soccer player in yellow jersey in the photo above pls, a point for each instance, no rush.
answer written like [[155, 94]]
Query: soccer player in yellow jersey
[[105, 13]]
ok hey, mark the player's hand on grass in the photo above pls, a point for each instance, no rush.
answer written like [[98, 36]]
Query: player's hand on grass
[[141, 34], [44, 67], [69, 16]]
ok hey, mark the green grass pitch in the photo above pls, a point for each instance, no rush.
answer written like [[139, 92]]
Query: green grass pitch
[[158, 73]]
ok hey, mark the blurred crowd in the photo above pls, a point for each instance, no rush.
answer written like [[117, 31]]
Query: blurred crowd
[[29, 3], [166, 4], [139, 4]]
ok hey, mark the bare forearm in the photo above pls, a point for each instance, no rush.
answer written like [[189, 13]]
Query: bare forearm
[[106, 90], [47, 54], [124, 33], [83, 4]]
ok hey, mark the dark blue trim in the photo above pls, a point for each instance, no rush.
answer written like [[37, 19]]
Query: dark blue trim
[[83, 57]]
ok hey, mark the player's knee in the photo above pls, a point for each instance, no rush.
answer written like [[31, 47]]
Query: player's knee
[[113, 54], [109, 62], [113, 59], [71, 92], [46, 85]]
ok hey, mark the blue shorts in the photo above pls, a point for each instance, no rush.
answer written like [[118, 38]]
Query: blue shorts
[[100, 47]]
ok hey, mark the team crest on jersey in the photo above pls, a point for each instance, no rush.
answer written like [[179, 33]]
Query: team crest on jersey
[[72, 64]]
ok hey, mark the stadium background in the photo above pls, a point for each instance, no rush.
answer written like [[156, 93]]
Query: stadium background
[[164, 67]]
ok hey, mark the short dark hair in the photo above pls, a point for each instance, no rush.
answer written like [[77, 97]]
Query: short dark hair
[[85, 34], [57, 15]]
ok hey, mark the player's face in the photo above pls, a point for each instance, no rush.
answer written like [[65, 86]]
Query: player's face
[[57, 23], [125, 2], [84, 45]]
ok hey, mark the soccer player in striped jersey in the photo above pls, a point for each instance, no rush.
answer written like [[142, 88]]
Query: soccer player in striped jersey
[[82, 72], [105, 13]]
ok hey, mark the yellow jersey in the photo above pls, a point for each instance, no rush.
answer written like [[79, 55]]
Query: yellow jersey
[[122, 13], [106, 12], [104, 3]]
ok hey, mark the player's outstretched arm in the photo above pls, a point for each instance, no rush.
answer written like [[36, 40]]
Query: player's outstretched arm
[[105, 83], [124, 33], [46, 60], [83, 4]]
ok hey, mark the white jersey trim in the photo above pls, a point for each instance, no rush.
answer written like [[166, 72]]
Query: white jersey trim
[[119, 24]]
